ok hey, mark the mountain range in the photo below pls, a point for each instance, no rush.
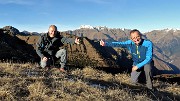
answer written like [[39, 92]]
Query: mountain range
[[165, 43]]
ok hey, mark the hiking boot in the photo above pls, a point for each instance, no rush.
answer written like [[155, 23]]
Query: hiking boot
[[38, 66], [62, 70], [47, 68]]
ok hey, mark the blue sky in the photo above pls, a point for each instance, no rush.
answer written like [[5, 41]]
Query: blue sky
[[37, 15]]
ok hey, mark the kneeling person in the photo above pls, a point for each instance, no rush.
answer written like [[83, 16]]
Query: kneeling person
[[142, 53], [50, 46]]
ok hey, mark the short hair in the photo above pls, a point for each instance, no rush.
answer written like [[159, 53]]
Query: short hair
[[135, 30], [53, 26]]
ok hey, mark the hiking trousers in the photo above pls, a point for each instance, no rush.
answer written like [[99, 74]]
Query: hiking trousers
[[148, 74], [61, 54]]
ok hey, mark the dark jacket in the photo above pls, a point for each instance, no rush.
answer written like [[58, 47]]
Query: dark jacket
[[141, 54], [47, 46]]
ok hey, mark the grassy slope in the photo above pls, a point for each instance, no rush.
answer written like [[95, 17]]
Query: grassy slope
[[27, 82]]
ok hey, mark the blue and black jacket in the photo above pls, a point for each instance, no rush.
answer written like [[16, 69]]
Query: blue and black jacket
[[141, 54]]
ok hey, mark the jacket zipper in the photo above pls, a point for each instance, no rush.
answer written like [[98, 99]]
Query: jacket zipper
[[137, 52]]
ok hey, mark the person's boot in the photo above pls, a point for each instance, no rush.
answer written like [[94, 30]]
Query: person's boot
[[62, 70], [47, 68]]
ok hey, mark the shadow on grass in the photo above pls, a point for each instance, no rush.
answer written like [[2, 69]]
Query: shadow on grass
[[134, 90]]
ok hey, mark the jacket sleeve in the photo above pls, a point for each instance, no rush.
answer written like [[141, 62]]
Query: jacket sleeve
[[149, 54], [65, 40], [39, 47], [118, 44]]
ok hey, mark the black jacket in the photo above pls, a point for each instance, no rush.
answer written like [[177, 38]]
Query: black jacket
[[47, 46]]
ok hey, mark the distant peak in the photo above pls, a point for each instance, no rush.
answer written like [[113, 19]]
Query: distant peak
[[86, 27], [171, 29], [92, 27]]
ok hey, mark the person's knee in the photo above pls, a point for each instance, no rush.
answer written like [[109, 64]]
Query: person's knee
[[64, 51], [147, 67], [60, 53]]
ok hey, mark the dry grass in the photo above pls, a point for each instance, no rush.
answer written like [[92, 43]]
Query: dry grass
[[27, 82]]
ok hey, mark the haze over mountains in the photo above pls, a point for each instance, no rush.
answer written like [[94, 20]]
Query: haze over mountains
[[166, 42]]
